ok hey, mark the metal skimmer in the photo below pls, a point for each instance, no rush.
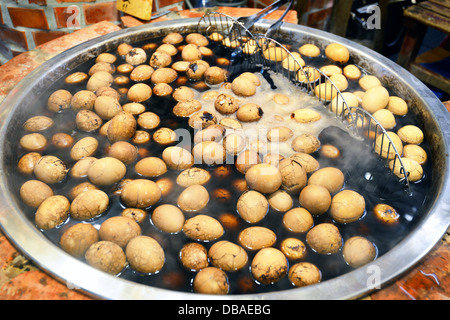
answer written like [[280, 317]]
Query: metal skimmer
[[258, 52]]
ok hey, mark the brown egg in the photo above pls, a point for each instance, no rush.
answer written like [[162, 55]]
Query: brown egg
[[33, 142], [165, 136], [203, 228], [191, 52], [304, 274], [148, 120], [325, 91], [227, 256], [52, 212], [256, 238], [173, 38], [160, 59], [347, 206], [211, 280], [177, 158], [162, 89], [26, 162], [50, 169], [164, 75], [59, 100], [264, 178], [293, 175], [330, 151], [226, 104], [89, 204], [76, 77], [119, 229], [249, 112], [139, 92], [386, 118], [315, 198], [99, 80], [166, 185], [151, 167], [306, 143], [145, 254], [106, 171], [62, 140], [140, 193], [397, 106], [193, 176], [293, 248], [308, 162], [280, 201], [194, 198], [298, 220], [106, 256], [324, 238], [337, 53], [78, 238], [386, 213], [269, 265], [209, 152], [38, 123], [329, 177], [215, 75], [80, 188], [168, 218], [242, 86], [123, 151], [136, 56], [34, 192], [247, 159], [194, 256], [214, 132], [279, 134], [385, 148], [352, 72], [375, 99], [358, 251], [309, 50], [414, 170], [252, 206], [81, 167], [411, 134], [416, 153], [202, 120], [138, 215]]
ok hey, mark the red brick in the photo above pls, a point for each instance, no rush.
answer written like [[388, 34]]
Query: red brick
[[41, 37], [315, 18], [164, 3], [65, 15], [30, 18], [38, 2], [14, 36], [63, 1], [94, 13]]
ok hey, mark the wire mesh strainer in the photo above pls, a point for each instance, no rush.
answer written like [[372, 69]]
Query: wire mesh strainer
[[264, 53]]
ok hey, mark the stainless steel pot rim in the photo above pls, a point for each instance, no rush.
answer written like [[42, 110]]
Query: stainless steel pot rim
[[77, 274]]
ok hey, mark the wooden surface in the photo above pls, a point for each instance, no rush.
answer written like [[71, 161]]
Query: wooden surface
[[418, 18], [20, 279]]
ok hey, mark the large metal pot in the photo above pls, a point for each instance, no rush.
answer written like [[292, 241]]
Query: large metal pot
[[434, 221]]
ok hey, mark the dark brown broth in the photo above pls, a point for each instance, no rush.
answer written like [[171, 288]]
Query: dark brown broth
[[356, 160]]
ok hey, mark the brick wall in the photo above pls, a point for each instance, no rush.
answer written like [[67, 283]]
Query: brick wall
[[25, 24]]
